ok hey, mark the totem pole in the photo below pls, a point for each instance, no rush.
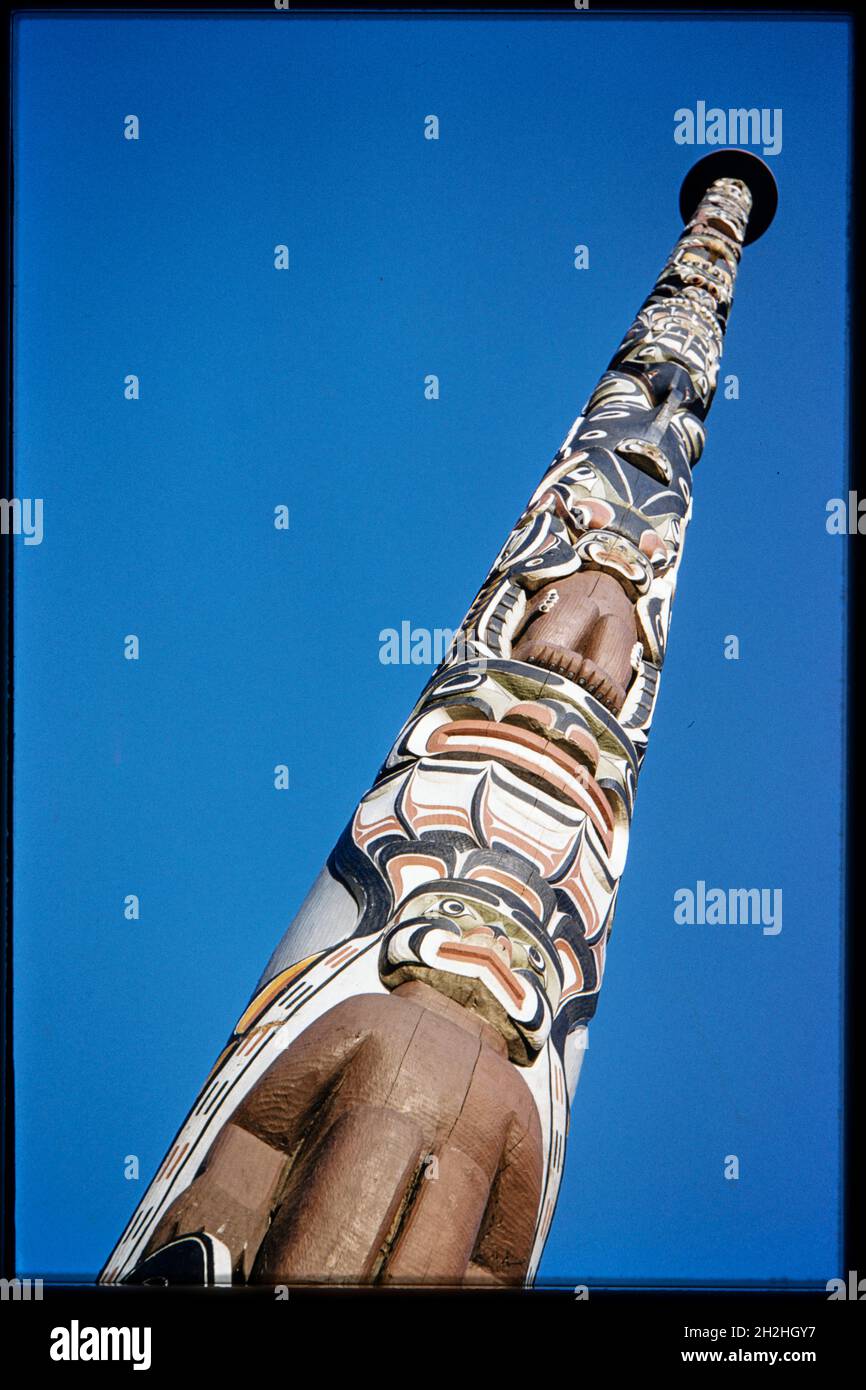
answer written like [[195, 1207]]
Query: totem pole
[[392, 1105]]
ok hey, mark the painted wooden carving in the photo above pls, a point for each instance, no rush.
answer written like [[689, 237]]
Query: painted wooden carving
[[392, 1105]]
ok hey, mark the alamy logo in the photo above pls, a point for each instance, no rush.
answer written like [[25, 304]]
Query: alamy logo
[[21, 1290], [729, 907], [76, 1343], [846, 518], [423, 646], [736, 126], [22, 516], [855, 1288]]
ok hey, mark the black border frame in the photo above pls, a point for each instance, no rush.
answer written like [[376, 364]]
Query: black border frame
[[651, 1304]]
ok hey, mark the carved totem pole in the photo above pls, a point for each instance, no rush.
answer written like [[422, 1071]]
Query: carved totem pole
[[392, 1105]]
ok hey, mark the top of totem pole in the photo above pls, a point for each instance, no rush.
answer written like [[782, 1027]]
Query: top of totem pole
[[733, 164]]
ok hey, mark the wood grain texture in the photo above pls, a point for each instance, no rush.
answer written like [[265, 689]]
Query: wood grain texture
[[392, 1143]]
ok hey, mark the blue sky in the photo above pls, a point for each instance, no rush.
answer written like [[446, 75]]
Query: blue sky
[[258, 647]]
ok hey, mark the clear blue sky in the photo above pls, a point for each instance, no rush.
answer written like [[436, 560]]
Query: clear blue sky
[[260, 647]]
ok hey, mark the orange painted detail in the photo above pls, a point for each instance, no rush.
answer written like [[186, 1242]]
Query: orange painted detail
[[176, 1160], [270, 992], [169, 1156], [400, 863], [484, 732], [488, 957], [509, 881], [564, 949]]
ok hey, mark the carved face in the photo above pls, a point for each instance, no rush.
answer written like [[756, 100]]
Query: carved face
[[462, 941], [616, 555]]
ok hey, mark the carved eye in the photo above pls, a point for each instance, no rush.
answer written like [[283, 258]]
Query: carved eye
[[536, 959], [453, 907]]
